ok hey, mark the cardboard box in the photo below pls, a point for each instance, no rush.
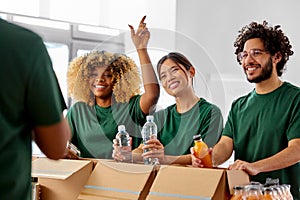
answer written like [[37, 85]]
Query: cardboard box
[[173, 182], [115, 180], [236, 177], [61, 179]]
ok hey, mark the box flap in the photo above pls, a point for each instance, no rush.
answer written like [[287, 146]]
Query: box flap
[[185, 183], [118, 180], [236, 177], [56, 169]]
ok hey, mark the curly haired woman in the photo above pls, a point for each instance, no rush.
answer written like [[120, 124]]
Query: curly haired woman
[[263, 127], [106, 87]]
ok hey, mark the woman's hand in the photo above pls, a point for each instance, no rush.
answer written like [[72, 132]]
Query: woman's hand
[[196, 162], [116, 154], [156, 150], [140, 37]]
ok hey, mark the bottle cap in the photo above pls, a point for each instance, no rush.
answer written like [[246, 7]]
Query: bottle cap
[[238, 187], [197, 137], [121, 128], [149, 117]]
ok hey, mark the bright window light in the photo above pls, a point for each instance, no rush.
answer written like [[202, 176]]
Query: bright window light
[[98, 30], [28, 7], [42, 22], [59, 54], [3, 16]]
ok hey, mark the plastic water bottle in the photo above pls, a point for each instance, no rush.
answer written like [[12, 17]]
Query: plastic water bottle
[[124, 143], [149, 131]]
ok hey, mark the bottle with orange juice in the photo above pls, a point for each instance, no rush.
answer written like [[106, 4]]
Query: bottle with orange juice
[[268, 193], [238, 193], [201, 151]]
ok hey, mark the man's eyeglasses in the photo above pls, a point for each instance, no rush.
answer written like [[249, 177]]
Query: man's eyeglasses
[[254, 53]]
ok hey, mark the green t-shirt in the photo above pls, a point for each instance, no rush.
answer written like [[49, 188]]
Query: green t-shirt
[[29, 97], [176, 130], [262, 125], [94, 127]]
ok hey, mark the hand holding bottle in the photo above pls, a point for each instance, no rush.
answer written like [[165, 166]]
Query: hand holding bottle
[[116, 154], [72, 152], [149, 134], [153, 149], [122, 145], [200, 153]]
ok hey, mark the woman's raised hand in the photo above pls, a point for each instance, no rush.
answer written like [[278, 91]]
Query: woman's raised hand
[[141, 36]]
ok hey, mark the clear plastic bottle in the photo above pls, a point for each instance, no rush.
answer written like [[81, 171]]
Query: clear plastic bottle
[[277, 195], [149, 131], [124, 143], [201, 151], [73, 151], [286, 188]]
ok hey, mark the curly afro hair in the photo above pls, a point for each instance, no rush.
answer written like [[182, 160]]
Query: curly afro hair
[[125, 76], [273, 38]]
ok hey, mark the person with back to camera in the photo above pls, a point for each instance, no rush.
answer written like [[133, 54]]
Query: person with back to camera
[[107, 88], [31, 108], [178, 123], [263, 127]]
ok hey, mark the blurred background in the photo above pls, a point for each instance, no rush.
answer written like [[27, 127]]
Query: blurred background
[[204, 31]]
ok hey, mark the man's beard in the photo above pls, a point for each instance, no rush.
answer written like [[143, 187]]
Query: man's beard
[[265, 73]]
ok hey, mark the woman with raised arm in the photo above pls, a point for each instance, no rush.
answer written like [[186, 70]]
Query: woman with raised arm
[[106, 87]]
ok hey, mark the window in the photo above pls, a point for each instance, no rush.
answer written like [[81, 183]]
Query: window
[[28, 7], [59, 54]]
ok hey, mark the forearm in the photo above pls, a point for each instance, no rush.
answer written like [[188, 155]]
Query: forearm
[[222, 151], [148, 74], [150, 83], [53, 139], [285, 158], [180, 160]]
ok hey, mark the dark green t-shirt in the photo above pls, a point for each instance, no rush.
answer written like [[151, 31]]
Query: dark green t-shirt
[[94, 127], [176, 130], [262, 125], [29, 97]]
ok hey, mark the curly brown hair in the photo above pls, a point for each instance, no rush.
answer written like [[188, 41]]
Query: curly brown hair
[[125, 76], [273, 38]]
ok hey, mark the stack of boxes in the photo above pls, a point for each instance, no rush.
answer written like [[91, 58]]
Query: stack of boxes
[[91, 179]]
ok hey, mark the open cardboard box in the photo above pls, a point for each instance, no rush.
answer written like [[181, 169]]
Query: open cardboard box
[[116, 180], [176, 182], [74, 179], [61, 179]]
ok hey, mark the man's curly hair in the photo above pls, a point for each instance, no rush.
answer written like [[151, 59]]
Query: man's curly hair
[[273, 38], [125, 76]]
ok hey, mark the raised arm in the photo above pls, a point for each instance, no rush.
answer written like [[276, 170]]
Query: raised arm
[[140, 38]]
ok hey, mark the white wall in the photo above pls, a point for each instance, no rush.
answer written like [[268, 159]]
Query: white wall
[[214, 25], [202, 30]]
